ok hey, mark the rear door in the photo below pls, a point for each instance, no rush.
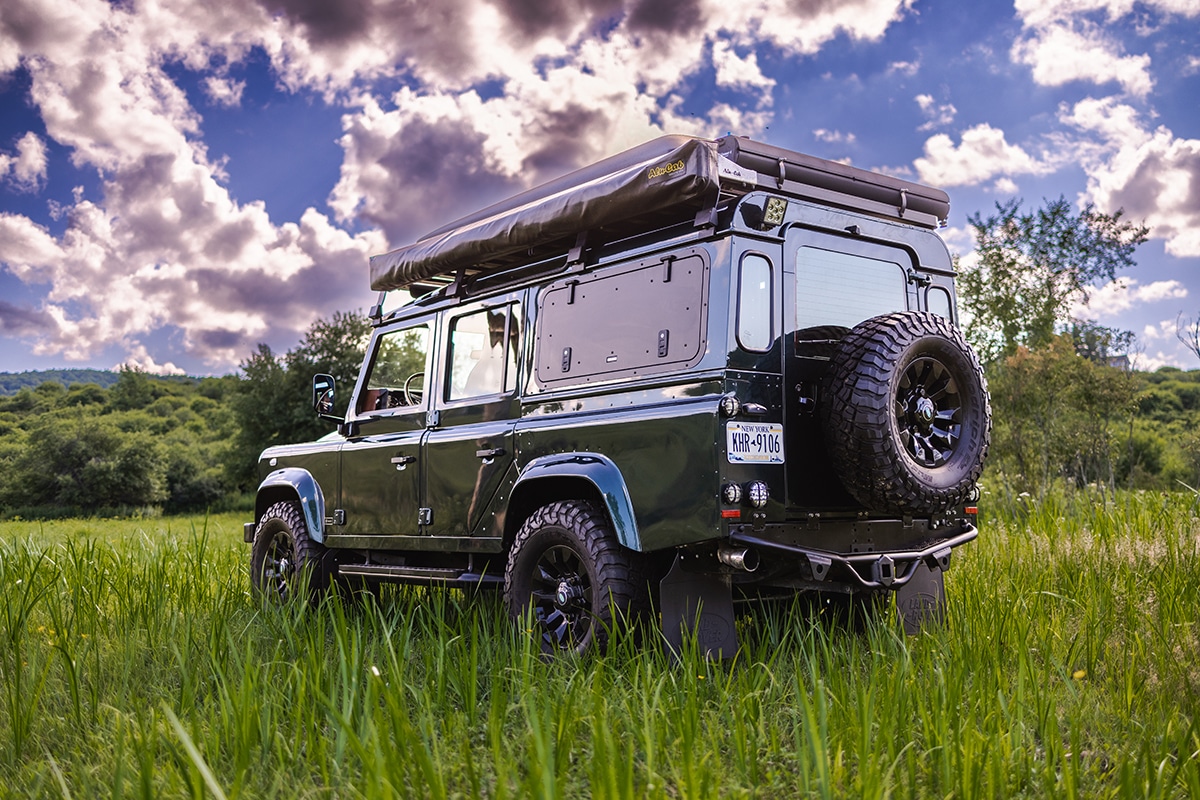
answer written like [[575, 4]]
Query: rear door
[[832, 283], [471, 446]]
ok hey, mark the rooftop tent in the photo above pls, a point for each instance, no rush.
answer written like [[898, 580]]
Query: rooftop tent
[[664, 181], [671, 172]]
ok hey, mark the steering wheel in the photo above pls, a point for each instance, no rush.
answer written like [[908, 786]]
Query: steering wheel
[[413, 395]]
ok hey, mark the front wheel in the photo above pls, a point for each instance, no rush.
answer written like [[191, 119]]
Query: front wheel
[[568, 570], [284, 559]]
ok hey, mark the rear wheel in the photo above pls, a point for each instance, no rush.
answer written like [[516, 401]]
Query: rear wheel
[[284, 559], [568, 570]]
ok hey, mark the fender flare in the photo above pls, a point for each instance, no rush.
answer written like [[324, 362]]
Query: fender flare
[[599, 471], [304, 486]]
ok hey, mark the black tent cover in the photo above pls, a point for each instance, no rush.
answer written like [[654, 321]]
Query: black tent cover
[[671, 177], [664, 172]]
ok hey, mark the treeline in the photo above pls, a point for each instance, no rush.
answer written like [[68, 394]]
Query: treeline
[[149, 444], [144, 443], [1061, 418], [13, 382], [1063, 413]]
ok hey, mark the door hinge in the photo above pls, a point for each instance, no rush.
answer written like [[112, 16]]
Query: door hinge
[[425, 516], [338, 518]]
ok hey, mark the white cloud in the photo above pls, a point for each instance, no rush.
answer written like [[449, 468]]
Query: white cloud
[[1040, 12], [740, 73], [27, 169], [833, 137], [223, 91], [164, 243], [983, 153], [937, 114], [1005, 186], [1164, 330], [905, 68], [958, 240], [1144, 362], [140, 359], [1153, 175], [1060, 54], [1125, 293]]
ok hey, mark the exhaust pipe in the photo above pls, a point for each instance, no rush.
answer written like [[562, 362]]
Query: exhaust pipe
[[743, 558]]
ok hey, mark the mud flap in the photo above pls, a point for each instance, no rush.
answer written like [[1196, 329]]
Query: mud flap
[[701, 603], [921, 602]]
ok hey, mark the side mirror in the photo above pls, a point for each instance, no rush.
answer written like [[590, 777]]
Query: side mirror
[[322, 396]]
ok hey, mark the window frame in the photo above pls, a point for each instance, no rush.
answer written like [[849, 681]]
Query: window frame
[[510, 363]]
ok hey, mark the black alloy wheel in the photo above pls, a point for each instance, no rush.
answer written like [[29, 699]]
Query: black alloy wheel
[[928, 410], [568, 572]]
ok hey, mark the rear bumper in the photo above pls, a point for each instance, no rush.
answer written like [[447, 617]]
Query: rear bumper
[[868, 571]]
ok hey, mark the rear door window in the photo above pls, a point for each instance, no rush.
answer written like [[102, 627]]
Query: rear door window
[[843, 289]]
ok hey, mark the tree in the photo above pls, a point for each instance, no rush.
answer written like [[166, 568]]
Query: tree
[[1056, 416], [336, 347], [1187, 331], [1100, 344], [272, 400], [1034, 266], [87, 462]]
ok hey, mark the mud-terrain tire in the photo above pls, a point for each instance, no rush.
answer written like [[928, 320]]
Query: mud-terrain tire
[[568, 570], [284, 558], [906, 414]]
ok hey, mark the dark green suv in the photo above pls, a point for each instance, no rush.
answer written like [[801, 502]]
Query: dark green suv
[[696, 373]]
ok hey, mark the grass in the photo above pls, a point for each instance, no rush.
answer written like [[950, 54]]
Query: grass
[[135, 663]]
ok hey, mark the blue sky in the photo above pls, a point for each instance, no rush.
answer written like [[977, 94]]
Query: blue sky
[[181, 181]]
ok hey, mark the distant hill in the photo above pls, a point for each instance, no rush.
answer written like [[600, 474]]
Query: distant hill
[[13, 382]]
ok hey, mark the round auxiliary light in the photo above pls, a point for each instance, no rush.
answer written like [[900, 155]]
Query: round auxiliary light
[[730, 405], [731, 493], [758, 493]]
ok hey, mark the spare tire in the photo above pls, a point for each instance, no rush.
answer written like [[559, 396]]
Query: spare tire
[[906, 414]]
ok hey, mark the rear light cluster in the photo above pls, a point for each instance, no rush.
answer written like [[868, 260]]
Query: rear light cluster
[[756, 494]]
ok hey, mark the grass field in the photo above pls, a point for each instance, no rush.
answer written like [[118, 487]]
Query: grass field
[[135, 663]]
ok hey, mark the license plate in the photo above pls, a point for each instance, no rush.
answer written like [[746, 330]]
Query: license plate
[[754, 442]]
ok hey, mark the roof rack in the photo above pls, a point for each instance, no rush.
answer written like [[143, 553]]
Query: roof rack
[[665, 181]]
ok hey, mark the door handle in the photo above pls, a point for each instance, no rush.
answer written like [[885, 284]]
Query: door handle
[[403, 461], [490, 453]]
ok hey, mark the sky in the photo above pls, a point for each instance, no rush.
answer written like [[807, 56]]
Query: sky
[[182, 181]]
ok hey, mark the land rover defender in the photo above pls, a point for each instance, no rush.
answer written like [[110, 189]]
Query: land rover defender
[[696, 373]]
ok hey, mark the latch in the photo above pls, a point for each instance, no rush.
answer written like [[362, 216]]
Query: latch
[[918, 279]]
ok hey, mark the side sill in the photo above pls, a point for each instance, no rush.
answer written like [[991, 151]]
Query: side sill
[[441, 544]]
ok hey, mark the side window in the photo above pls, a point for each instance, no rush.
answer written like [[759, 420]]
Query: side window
[[754, 324], [483, 353], [843, 289], [397, 378], [937, 301]]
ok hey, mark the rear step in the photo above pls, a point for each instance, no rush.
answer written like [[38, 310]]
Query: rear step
[[397, 572]]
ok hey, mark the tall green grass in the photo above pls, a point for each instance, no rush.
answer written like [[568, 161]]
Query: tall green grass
[[135, 663]]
